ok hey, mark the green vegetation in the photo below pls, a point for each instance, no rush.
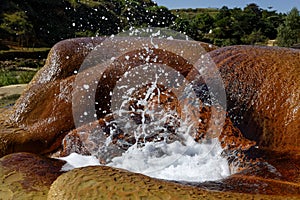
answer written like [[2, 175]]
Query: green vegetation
[[18, 71], [222, 27], [191, 13], [10, 77], [25, 53], [27, 50], [17, 24], [289, 31], [9, 100]]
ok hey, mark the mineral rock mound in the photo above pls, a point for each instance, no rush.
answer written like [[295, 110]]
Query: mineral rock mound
[[262, 86]]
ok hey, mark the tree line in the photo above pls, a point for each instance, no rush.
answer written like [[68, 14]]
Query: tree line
[[43, 23], [250, 25]]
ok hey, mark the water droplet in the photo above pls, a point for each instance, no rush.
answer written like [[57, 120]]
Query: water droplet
[[85, 86]]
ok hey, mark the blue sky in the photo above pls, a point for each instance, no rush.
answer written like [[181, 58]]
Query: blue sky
[[282, 6]]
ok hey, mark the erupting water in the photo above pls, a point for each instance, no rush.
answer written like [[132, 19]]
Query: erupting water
[[157, 130], [153, 109]]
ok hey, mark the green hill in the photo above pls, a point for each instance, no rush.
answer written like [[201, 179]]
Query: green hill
[[191, 13]]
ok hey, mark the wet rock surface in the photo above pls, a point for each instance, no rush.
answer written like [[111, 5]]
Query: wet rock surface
[[43, 114], [276, 173]]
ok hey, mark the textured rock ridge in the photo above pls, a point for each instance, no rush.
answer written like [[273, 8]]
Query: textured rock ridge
[[263, 93]]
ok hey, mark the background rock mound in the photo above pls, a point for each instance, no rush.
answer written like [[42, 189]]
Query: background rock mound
[[263, 93]]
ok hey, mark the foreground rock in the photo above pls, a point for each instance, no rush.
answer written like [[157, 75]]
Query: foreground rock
[[109, 183], [27, 176]]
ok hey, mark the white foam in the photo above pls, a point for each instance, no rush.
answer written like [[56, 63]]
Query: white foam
[[195, 162], [75, 160]]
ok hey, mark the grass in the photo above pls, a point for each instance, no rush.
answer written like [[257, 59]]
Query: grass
[[26, 49], [91, 3], [9, 100], [193, 12], [19, 70], [15, 77], [25, 53]]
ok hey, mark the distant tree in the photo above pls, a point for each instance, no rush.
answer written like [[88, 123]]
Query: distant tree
[[250, 19], [222, 27], [270, 21], [253, 9], [17, 26], [254, 38], [223, 23], [224, 30], [185, 26], [289, 31], [138, 13], [223, 13], [204, 22]]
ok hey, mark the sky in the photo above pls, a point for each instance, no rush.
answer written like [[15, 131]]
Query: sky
[[282, 6]]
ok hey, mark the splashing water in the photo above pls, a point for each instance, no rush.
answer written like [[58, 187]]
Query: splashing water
[[159, 131], [184, 160], [154, 108], [173, 154]]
